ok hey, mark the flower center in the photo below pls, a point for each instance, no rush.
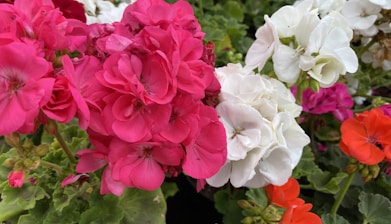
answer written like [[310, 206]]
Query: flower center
[[372, 140]]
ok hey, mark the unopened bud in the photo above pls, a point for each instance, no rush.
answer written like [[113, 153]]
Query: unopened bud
[[9, 162], [365, 172], [41, 150], [247, 220], [374, 170], [28, 144], [351, 168], [13, 140], [244, 204], [367, 178], [314, 85]]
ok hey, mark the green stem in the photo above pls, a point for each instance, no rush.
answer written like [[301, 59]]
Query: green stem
[[200, 5], [52, 166], [63, 144], [365, 48], [388, 99], [342, 194]]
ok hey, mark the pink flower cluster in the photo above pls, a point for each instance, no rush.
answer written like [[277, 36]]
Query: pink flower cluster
[[335, 99], [137, 86]]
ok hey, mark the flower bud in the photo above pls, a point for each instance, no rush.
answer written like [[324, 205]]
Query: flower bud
[[244, 204], [12, 140], [9, 162], [367, 178], [365, 171], [351, 168], [247, 220], [314, 85], [41, 150], [16, 178], [374, 170]]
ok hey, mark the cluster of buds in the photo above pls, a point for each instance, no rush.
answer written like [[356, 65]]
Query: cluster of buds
[[368, 172], [26, 157], [256, 214]]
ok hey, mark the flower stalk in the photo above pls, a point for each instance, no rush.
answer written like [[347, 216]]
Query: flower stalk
[[342, 194], [63, 144], [52, 166]]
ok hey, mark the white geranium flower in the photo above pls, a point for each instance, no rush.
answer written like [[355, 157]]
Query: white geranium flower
[[273, 168], [335, 57], [325, 7], [286, 101], [290, 135], [361, 16], [103, 11], [286, 59], [262, 48], [245, 128], [238, 172], [231, 69], [287, 18], [385, 4]]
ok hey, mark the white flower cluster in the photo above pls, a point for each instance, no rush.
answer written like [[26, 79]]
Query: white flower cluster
[[299, 41], [104, 11], [264, 140], [367, 19]]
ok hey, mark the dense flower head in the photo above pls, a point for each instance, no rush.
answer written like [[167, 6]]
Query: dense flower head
[[299, 40], [261, 132], [149, 98], [367, 137], [335, 99]]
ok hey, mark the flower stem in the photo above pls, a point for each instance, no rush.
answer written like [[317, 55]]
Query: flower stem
[[63, 144], [52, 166], [342, 194]]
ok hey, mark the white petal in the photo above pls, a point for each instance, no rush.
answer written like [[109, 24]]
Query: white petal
[[221, 177], [286, 64], [263, 46], [276, 168], [244, 170]]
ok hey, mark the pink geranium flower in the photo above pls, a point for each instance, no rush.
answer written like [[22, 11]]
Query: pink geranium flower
[[24, 87], [206, 151], [67, 100], [141, 164], [335, 99]]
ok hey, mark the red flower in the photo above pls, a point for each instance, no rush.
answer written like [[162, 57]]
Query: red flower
[[285, 195], [366, 137], [300, 214]]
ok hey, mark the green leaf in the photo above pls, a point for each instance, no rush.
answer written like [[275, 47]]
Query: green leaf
[[326, 182], [9, 211], [384, 181], [258, 195], [375, 207], [226, 204], [102, 209], [70, 215], [25, 197], [306, 165], [141, 206], [169, 189], [234, 10], [333, 219]]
